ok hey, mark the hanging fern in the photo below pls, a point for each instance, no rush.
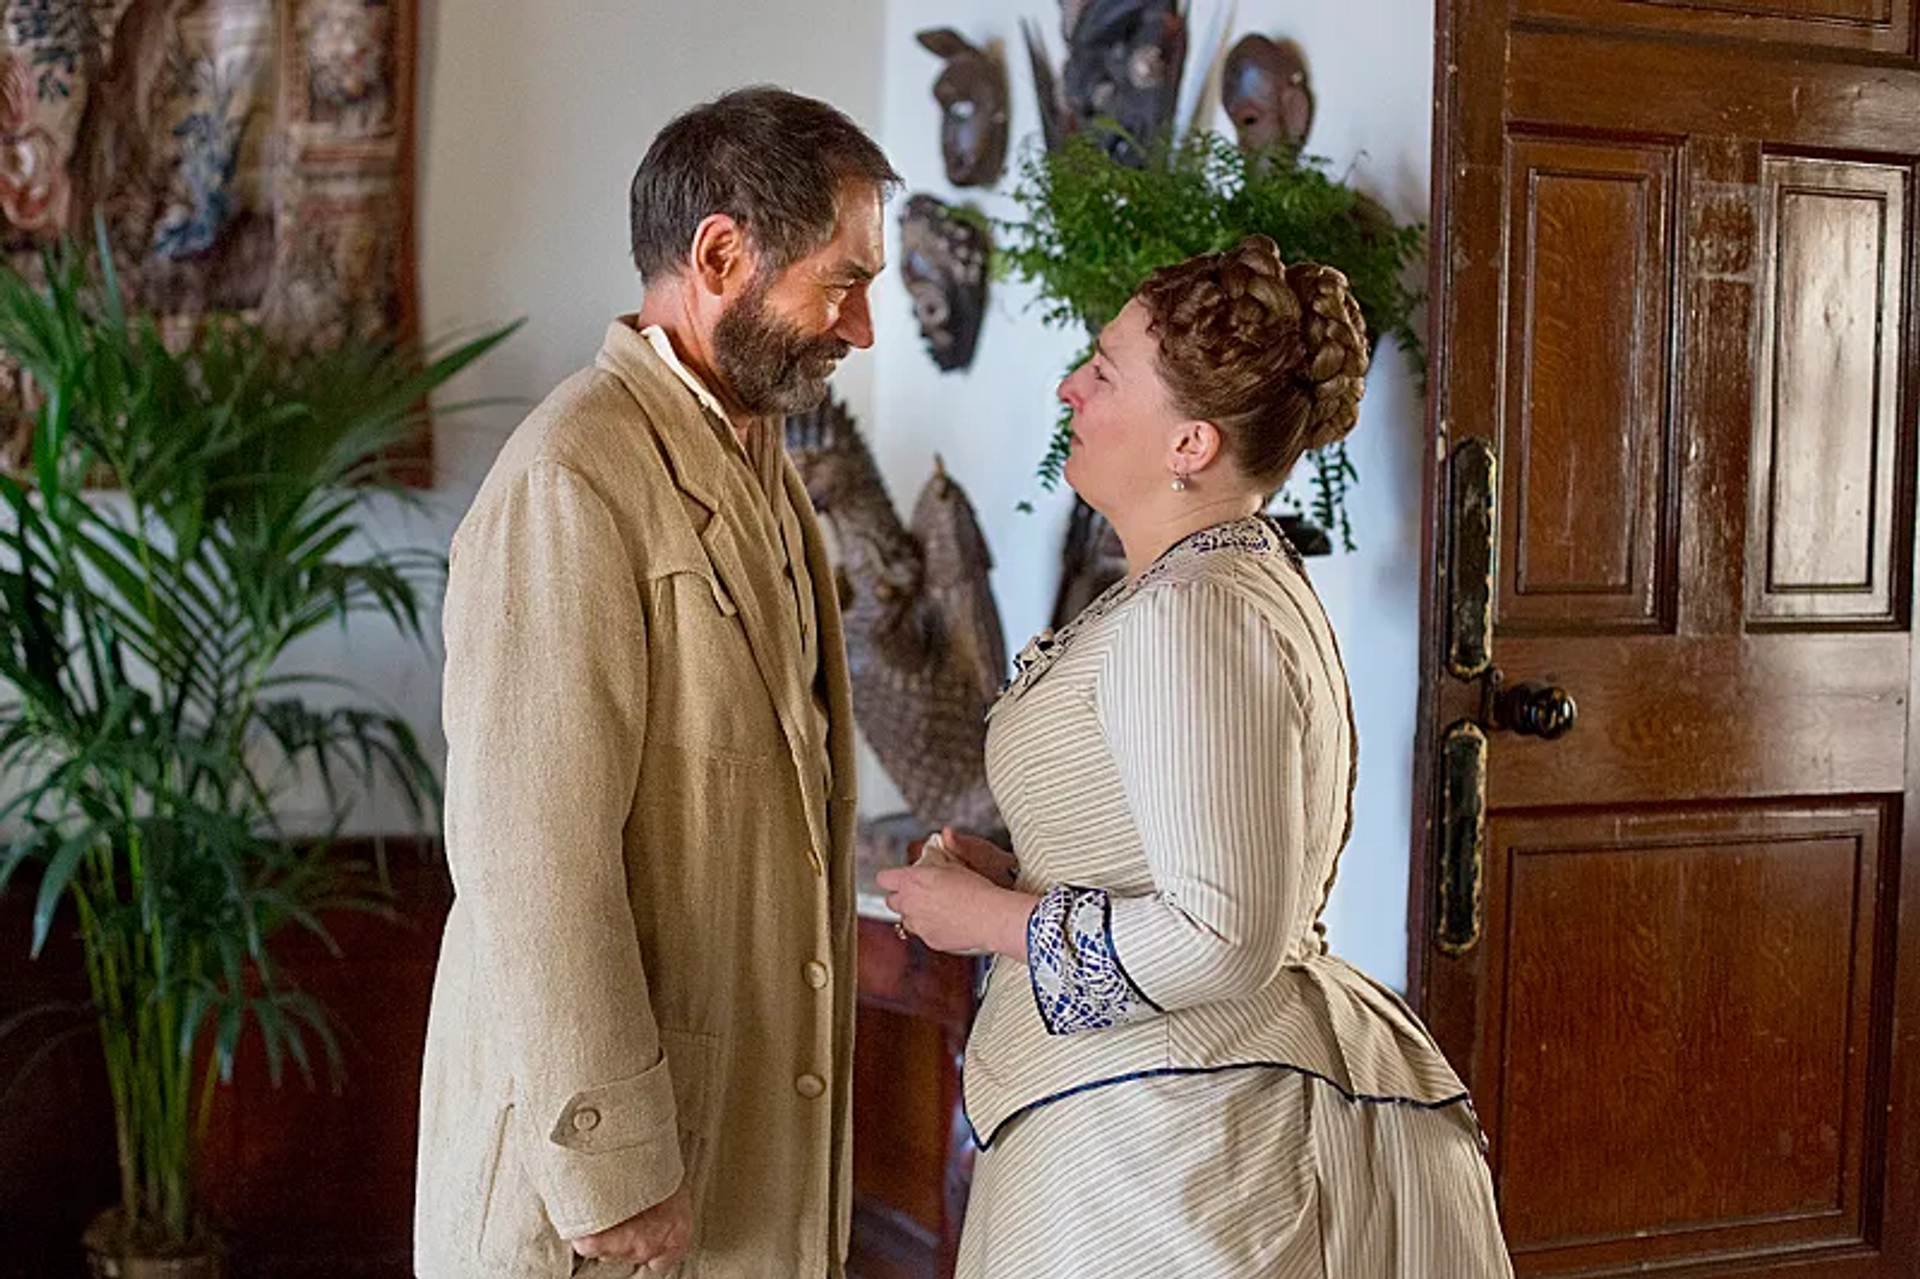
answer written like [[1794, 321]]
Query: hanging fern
[[1093, 229]]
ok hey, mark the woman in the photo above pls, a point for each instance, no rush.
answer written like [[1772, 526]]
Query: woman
[[1168, 1073]]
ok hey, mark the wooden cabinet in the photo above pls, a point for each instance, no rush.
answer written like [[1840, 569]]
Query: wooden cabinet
[[912, 1157], [304, 1183]]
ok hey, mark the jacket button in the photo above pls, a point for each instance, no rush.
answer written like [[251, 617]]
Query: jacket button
[[809, 1086], [816, 973], [586, 1119]]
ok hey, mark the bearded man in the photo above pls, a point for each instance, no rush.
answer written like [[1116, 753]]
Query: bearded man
[[640, 1050]]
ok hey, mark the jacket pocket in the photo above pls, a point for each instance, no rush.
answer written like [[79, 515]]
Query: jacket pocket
[[515, 1235], [705, 690], [694, 1059], [722, 600]]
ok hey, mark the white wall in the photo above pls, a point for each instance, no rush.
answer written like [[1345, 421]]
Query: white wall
[[532, 118], [1370, 66]]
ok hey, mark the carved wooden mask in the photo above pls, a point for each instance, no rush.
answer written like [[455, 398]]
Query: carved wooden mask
[[972, 93], [1266, 93], [1124, 59], [944, 261]]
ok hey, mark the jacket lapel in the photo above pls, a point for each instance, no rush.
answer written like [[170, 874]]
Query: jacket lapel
[[832, 650], [742, 542], [833, 641]]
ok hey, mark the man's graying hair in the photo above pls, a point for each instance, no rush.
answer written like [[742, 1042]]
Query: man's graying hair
[[771, 160]]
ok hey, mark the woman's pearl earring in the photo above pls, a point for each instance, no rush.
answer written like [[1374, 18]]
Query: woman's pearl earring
[[1179, 483]]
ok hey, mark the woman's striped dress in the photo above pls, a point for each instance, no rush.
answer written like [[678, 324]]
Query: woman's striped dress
[[1181, 1081]]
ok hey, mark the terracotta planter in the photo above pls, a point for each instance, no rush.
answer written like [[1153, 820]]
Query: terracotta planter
[[111, 1256]]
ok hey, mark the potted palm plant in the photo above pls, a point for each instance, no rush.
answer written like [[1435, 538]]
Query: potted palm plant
[[1092, 228], [142, 633]]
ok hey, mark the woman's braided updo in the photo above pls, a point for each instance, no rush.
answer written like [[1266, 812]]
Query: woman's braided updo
[[1273, 355]]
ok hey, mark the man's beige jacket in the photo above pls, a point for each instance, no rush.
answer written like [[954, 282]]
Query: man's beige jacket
[[648, 969]]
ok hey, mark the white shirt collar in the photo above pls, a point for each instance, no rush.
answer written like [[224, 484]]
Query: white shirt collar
[[663, 347]]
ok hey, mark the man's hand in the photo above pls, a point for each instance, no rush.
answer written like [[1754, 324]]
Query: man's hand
[[656, 1237]]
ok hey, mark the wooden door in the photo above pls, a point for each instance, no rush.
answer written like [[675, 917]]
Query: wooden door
[[1677, 950]]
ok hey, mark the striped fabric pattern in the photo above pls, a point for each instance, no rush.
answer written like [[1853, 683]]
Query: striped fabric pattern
[[1243, 1174], [1186, 751]]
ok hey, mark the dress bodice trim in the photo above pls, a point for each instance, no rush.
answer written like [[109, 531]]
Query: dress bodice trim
[[1257, 534]]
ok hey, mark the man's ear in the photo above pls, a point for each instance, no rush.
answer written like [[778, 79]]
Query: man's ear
[[721, 257]]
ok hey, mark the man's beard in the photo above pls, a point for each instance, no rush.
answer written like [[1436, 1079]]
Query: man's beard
[[768, 364]]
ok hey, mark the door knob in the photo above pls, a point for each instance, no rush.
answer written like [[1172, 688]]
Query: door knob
[[1535, 710]]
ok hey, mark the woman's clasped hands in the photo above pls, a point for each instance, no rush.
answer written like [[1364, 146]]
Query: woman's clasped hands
[[958, 896]]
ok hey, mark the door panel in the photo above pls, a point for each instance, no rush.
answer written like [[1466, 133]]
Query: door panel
[[1735, 1041], [1662, 88], [1673, 282], [1877, 26], [1826, 425], [1586, 539]]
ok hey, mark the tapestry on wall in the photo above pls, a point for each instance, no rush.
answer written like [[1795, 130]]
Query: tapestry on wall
[[248, 157]]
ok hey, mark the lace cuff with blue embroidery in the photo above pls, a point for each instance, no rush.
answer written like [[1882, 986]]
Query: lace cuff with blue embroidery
[[1078, 981]]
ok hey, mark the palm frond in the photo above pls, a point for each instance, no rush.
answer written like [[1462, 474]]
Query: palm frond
[[140, 639]]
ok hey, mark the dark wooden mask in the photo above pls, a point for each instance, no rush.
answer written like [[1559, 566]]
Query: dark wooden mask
[[1124, 60], [972, 93], [1265, 90], [944, 260]]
